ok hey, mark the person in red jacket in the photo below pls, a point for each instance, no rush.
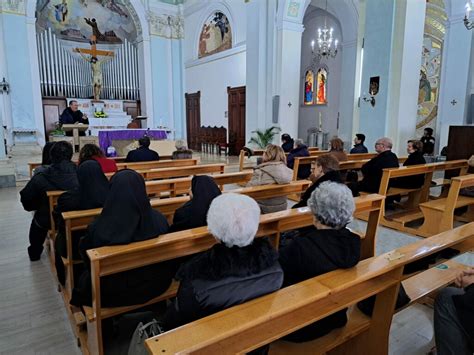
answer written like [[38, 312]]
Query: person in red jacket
[[93, 152]]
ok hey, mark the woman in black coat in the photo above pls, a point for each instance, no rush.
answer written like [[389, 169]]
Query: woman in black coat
[[91, 193], [194, 212], [324, 168], [127, 217], [415, 157], [327, 246], [234, 271]]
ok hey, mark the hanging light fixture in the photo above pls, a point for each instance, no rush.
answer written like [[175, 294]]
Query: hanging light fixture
[[325, 49]]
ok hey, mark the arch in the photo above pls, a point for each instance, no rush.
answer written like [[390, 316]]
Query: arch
[[135, 8], [220, 6]]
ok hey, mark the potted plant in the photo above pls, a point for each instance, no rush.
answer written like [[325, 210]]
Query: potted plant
[[265, 137]]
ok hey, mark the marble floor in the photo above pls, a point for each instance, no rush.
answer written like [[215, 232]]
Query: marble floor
[[32, 315]]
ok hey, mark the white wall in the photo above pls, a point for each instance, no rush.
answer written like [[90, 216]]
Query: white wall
[[309, 115], [213, 74], [212, 79]]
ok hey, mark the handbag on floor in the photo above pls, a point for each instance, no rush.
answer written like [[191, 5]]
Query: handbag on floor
[[142, 333]]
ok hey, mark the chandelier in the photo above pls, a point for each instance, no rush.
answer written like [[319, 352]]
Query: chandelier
[[325, 49], [469, 24]]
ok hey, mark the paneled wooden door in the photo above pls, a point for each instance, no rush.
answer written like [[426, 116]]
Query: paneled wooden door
[[236, 115], [193, 119]]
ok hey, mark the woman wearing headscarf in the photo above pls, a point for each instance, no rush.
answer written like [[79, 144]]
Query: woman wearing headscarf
[[194, 212], [91, 193], [127, 217]]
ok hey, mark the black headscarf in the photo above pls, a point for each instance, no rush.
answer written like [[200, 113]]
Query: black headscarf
[[193, 213], [127, 215], [46, 157], [92, 191]]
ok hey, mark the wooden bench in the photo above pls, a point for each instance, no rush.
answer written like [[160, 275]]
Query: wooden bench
[[415, 196], [168, 173], [248, 326], [350, 164], [313, 151], [114, 259], [439, 214], [79, 220], [147, 165]]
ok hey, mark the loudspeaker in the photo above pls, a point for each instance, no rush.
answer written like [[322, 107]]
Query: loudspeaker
[[275, 108]]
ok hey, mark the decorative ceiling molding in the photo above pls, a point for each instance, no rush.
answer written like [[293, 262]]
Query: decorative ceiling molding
[[167, 26], [16, 7]]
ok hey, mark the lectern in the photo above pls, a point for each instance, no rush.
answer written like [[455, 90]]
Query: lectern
[[75, 128]]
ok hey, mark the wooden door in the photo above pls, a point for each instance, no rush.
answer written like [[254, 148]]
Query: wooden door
[[236, 114], [193, 119]]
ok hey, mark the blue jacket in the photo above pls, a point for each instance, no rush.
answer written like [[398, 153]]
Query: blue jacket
[[142, 154], [359, 148]]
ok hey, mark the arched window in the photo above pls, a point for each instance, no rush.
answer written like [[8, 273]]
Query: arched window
[[309, 88], [321, 89]]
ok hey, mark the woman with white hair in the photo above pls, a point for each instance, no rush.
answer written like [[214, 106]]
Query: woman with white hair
[[182, 151], [328, 246], [235, 270]]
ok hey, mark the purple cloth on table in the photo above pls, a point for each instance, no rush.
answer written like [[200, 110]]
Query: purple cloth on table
[[106, 137]]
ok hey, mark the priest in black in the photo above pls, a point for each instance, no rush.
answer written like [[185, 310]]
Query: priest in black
[[143, 152], [127, 217], [72, 115], [373, 169], [193, 213]]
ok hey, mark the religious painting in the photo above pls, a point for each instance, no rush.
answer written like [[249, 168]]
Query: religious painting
[[430, 71], [293, 8], [309, 88], [374, 85], [216, 35], [109, 20], [321, 87]]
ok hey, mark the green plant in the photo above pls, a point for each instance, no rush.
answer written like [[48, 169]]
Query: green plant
[[264, 138]]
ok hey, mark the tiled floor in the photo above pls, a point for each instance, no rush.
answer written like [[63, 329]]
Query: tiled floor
[[32, 315]]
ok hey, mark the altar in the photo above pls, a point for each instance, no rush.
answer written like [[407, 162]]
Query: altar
[[119, 138]]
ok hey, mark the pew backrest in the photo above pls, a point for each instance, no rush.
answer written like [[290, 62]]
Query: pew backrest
[[245, 327], [157, 164]]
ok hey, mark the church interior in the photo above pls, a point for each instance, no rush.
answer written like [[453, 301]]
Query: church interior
[[237, 176]]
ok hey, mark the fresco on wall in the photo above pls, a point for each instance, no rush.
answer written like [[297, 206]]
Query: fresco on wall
[[321, 89], [112, 20], [309, 88], [216, 35], [430, 72]]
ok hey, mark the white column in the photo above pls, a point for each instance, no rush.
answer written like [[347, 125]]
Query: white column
[[404, 73], [454, 81], [144, 77], [5, 99], [288, 75]]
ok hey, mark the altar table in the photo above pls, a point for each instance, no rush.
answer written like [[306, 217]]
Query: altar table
[[107, 136]]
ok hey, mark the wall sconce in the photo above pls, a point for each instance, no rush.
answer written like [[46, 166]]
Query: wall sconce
[[371, 100], [4, 86]]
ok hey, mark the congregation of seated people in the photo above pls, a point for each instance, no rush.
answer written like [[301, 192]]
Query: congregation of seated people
[[240, 267]]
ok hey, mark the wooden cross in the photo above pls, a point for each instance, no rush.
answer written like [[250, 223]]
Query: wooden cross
[[94, 52]]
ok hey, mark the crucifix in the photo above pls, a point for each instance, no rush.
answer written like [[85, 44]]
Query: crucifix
[[93, 53]]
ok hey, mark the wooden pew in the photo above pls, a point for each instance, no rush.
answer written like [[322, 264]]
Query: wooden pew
[[313, 151], [79, 220], [350, 157], [147, 165], [168, 173], [261, 321], [415, 196], [111, 260], [439, 214]]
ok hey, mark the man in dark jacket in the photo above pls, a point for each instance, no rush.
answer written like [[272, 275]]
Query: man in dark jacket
[[300, 150], [326, 246], [287, 142], [454, 317], [428, 141], [143, 152], [359, 146], [60, 175], [72, 115], [372, 170]]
